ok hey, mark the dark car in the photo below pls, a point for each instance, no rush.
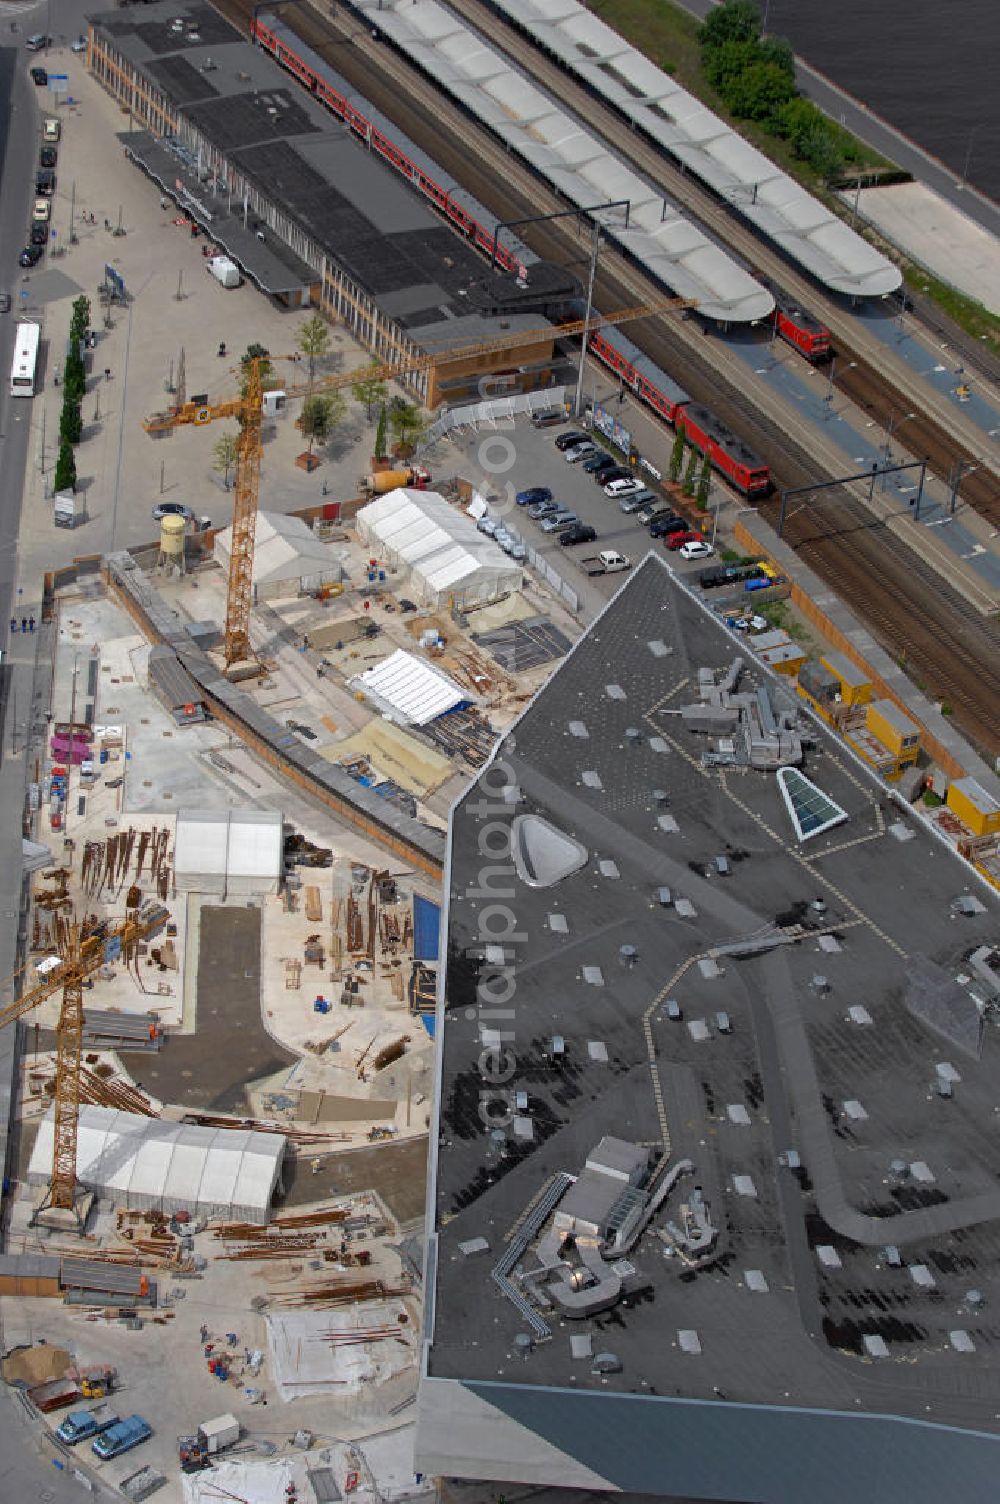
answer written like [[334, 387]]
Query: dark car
[[580, 532], [613, 472], [668, 523], [39, 233], [597, 462], [45, 181], [4, 302], [665, 526], [47, 156], [30, 255], [567, 440], [533, 495], [548, 420], [39, 77]]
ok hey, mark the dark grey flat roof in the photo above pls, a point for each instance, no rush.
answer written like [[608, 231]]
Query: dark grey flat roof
[[341, 196], [651, 815]]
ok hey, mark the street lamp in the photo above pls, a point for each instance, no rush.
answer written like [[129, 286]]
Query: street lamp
[[891, 427], [968, 152], [833, 368]]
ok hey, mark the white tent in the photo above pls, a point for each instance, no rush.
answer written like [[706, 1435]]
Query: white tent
[[233, 853], [288, 558], [410, 691], [150, 1165], [444, 553]]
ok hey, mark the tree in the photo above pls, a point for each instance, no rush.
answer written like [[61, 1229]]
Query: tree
[[725, 65], [65, 476], [370, 390], [320, 415], [314, 341], [74, 376], [224, 455], [70, 423], [735, 21], [406, 423], [760, 92], [779, 52], [380, 433], [80, 318], [689, 474], [677, 453], [255, 352], [704, 483]]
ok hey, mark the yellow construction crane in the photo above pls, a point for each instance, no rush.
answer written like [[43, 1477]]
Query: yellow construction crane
[[247, 408], [81, 952]]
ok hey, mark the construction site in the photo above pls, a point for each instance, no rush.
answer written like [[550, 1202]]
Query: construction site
[[241, 773]]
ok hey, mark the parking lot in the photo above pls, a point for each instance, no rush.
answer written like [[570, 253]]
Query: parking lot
[[501, 462]]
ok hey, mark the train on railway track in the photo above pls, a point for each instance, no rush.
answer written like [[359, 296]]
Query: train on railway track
[[807, 334], [446, 200], [729, 454]]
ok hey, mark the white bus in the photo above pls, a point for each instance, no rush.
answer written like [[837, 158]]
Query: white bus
[[22, 372]]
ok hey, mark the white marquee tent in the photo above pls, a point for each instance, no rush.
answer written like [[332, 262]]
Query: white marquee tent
[[410, 691], [444, 554], [236, 853], [288, 558], [151, 1165]]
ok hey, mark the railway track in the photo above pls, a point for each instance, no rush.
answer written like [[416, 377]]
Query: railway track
[[921, 621], [885, 395]]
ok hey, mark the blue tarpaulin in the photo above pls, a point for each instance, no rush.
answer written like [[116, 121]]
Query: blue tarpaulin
[[428, 1020], [426, 929]]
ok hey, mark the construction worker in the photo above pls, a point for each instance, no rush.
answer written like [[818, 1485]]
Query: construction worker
[[13, 624]]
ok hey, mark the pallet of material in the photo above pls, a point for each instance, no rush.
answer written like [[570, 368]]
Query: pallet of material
[[127, 1031], [102, 1278], [314, 905]]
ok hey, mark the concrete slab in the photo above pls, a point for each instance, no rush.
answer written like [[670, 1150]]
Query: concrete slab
[[936, 235]]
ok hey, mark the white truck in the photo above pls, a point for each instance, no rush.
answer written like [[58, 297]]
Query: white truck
[[608, 561], [211, 1438], [225, 272]]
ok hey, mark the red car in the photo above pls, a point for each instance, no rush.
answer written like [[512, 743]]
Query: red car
[[676, 539]]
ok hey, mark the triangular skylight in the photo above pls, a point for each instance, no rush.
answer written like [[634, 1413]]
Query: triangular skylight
[[810, 809]]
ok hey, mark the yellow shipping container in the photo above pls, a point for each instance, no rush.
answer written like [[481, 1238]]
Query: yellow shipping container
[[855, 688], [976, 807], [894, 729]]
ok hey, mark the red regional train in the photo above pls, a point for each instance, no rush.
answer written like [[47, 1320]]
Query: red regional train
[[309, 74], [801, 329], [704, 431], [729, 454]]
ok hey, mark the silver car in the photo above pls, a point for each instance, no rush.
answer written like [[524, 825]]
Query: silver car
[[488, 525], [558, 520], [579, 452]]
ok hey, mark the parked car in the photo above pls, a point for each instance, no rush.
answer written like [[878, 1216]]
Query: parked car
[[39, 77], [48, 156], [51, 129], [548, 420], [696, 549], [4, 302], [677, 540], [598, 461], [38, 234], [614, 471], [532, 496], [487, 525], [648, 518], [172, 509], [557, 521], [37, 41], [543, 509], [45, 181], [517, 551], [121, 1438], [662, 527], [567, 440], [635, 502], [580, 532], [623, 487], [578, 452], [503, 539], [80, 45], [42, 212], [30, 255]]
